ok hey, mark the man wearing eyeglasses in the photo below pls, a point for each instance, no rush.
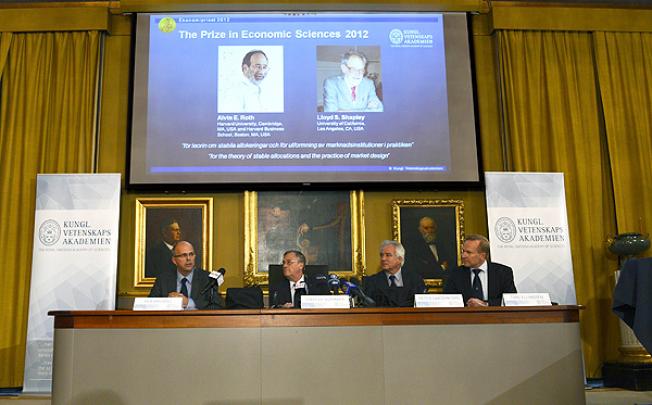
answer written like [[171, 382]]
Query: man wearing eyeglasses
[[250, 93], [287, 293], [187, 281], [351, 91]]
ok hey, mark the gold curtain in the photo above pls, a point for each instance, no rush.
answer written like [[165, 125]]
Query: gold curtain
[[552, 123], [624, 65], [5, 41], [47, 112]]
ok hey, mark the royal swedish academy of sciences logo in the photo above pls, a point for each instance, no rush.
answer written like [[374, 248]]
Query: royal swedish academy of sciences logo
[[49, 232], [396, 36], [167, 24], [505, 229]]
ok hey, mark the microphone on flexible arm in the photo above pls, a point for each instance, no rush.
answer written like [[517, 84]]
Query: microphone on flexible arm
[[334, 284], [216, 279], [353, 290], [368, 301]]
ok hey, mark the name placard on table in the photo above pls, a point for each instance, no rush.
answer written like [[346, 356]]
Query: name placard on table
[[526, 299], [438, 301], [158, 304], [325, 301]]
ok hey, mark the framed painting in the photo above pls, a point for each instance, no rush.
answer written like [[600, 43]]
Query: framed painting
[[432, 232], [160, 223], [326, 226]]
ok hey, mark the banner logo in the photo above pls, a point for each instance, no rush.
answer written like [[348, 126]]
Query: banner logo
[[167, 25], [410, 38], [49, 232], [505, 229]]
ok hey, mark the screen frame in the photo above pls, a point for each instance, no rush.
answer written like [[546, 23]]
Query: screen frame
[[477, 184]]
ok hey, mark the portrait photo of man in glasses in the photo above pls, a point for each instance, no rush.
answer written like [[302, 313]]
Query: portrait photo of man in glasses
[[353, 90]]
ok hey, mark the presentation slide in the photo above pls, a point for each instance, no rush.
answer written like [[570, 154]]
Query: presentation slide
[[292, 98]]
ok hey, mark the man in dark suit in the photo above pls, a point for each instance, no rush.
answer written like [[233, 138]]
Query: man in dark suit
[[157, 259], [480, 282], [287, 293], [187, 281], [424, 253], [393, 286]]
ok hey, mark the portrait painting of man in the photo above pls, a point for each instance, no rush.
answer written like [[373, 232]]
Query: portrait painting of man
[[430, 235], [160, 224]]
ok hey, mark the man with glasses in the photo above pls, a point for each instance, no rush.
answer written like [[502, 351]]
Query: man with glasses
[[480, 281], [287, 293], [250, 94], [351, 91], [187, 281]]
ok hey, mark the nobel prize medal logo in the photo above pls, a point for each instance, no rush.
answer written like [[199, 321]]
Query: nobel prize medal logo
[[396, 36], [49, 232], [167, 25], [505, 229]]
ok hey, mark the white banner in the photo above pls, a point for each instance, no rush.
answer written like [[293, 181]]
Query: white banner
[[74, 260], [528, 230]]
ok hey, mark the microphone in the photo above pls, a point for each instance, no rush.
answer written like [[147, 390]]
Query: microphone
[[275, 300], [353, 290], [216, 279], [333, 284], [368, 301]]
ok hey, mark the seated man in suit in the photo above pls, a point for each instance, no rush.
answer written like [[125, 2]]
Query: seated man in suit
[[187, 281], [394, 286], [351, 91], [287, 293], [480, 282]]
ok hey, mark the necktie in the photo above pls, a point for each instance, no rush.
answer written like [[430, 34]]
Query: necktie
[[184, 288], [392, 281], [353, 93], [477, 285], [297, 296]]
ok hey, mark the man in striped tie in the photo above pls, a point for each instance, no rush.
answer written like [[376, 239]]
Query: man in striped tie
[[480, 281]]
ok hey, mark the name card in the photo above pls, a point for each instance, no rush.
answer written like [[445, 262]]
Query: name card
[[438, 300], [325, 301], [158, 304], [526, 299]]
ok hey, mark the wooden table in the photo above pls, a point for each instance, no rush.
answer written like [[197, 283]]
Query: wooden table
[[465, 356]]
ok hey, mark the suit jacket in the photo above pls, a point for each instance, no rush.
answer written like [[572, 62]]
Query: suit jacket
[[279, 293], [377, 288], [158, 260], [167, 283], [499, 277], [420, 258], [337, 96]]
